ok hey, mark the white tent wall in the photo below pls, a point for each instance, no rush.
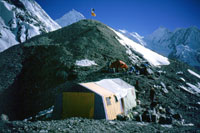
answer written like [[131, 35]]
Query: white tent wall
[[129, 100], [122, 90], [113, 87]]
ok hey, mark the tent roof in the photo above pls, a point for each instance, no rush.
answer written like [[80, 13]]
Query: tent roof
[[116, 87], [97, 89], [122, 83]]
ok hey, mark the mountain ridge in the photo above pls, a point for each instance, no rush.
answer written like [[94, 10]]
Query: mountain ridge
[[22, 19], [70, 18], [181, 44]]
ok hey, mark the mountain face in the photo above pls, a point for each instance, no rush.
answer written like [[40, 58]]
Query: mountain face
[[20, 20], [69, 18], [182, 44], [134, 36]]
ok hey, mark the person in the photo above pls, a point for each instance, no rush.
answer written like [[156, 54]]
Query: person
[[132, 69], [137, 84], [152, 94]]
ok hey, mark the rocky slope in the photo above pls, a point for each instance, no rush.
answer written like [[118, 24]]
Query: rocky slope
[[34, 70], [70, 18], [20, 20]]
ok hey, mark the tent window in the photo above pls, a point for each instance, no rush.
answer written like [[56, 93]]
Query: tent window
[[116, 100], [108, 100]]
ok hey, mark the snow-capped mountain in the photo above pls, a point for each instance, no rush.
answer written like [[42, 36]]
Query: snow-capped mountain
[[159, 41], [21, 20], [182, 44], [69, 18], [134, 36]]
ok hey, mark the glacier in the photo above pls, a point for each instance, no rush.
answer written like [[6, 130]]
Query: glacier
[[22, 19]]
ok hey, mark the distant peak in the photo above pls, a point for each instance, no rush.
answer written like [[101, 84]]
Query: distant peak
[[191, 28], [162, 28], [73, 10], [194, 27], [70, 17]]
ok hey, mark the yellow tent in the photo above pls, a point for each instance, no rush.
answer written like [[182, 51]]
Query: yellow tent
[[87, 100], [104, 99]]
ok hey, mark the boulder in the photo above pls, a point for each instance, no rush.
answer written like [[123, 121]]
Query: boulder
[[177, 117], [155, 118], [146, 116], [4, 117], [169, 111], [149, 71], [122, 117], [139, 118], [165, 119]]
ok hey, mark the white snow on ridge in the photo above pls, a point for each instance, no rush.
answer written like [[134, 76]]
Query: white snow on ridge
[[184, 88], [152, 57], [85, 62], [34, 8], [134, 36], [18, 25], [193, 88], [193, 73]]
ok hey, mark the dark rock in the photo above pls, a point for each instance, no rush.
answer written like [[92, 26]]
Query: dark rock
[[139, 118], [165, 119], [169, 111], [154, 118], [4, 117], [146, 116], [122, 117], [177, 116]]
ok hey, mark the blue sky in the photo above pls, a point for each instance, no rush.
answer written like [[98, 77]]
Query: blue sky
[[142, 16]]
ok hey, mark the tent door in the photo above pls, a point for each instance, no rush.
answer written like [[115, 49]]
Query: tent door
[[78, 104]]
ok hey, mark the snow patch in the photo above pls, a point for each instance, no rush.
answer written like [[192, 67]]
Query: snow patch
[[152, 57], [193, 73], [182, 79], [47, 113], [167, 126], [164, 89], [85, 62], [188, 124], [179, 73], [142, 123], [193, 88], [187, 90]]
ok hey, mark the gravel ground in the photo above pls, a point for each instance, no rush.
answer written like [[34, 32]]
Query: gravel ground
[[87, 125]]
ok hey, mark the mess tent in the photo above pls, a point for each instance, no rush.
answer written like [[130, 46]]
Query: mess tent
[[104, 99]]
